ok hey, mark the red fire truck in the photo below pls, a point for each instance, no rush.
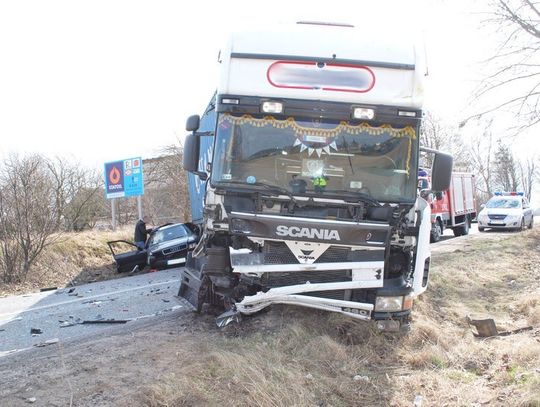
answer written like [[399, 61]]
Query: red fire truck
[[453, 208]]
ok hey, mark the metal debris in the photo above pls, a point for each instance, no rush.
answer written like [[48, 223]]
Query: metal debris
[[227, 317], [48, 289], [47, 343], [105, 321], [486, 328]]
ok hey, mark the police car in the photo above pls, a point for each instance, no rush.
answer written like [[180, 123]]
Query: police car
[[506, 210]]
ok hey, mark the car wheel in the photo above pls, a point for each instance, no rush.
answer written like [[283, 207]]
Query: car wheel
[[532, 222], [522, 227], [436, 232]]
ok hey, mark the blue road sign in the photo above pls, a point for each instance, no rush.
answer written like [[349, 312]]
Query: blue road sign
[[124, 178]]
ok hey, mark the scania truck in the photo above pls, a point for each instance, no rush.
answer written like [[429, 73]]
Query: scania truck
[[304, 173]]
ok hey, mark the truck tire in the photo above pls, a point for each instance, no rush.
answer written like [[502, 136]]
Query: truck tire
[[481, 229], [436, 231], [463, 230]]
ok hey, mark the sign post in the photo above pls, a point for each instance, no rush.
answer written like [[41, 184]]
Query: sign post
[[124, 178]]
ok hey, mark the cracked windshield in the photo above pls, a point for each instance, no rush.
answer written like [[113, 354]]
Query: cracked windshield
[[316, 157]]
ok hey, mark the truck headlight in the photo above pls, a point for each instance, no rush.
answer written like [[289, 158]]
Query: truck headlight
[[388, 304], [391, 304]]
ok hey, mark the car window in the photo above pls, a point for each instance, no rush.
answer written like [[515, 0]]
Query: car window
[[169, 233], [503, 203]]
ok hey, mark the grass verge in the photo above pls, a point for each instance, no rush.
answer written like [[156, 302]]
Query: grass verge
[[296, 357]]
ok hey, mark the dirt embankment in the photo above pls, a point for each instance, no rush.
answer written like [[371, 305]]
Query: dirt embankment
[[292, 356], [74, 258]]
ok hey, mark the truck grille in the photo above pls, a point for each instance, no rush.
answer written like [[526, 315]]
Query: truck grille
[[271, 280], [496, 217], [279, 253]]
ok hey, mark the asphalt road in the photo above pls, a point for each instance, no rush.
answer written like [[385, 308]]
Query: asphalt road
[[60, 314]]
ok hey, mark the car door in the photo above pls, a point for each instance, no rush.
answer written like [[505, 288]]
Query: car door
[[527, 212], [127, 255]]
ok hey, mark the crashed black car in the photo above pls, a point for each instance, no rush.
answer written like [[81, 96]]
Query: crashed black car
[[166, 247]]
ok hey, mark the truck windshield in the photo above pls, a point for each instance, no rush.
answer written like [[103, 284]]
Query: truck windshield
[[316, 157]]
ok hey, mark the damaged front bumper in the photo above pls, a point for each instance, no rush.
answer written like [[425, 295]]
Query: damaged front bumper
[[294, 295]]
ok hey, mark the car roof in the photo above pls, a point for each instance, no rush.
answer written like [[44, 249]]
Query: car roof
[[170, 226]]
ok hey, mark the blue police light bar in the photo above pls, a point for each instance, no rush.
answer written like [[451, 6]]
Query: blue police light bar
[[499, 193]]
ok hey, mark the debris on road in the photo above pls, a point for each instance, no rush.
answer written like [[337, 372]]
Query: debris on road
[[48, 289], [96, 302], [31, 400], [105, 321], [47, 343], [36, 331]]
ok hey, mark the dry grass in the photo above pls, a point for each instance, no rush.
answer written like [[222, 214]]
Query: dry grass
[[296, 357], [75, 258]]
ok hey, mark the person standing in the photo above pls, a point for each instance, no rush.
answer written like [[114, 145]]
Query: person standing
[[141, 233]]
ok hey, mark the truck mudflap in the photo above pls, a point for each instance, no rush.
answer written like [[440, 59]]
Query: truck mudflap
[[295, 295]]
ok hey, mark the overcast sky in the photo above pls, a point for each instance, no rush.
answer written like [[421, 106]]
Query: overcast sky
[[105, 80]]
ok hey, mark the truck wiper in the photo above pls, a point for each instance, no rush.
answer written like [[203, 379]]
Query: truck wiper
[[268, 187], [361, 196]]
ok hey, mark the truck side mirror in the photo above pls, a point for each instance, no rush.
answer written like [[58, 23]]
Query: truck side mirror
[[193, 123], [441, 171], [190, 159]]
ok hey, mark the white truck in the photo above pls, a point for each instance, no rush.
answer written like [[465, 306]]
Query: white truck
[[309, 196]]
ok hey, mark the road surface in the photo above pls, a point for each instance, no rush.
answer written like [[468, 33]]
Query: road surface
[[59, 315]]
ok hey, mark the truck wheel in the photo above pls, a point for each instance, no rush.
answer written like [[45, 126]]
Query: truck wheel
[[436, 232], [480, 229]]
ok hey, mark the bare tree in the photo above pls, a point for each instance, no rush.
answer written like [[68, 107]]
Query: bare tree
[[528, 174], [505, 168], [481, 158], [438, 135], [513, 79], [28, 205], [78, 192]]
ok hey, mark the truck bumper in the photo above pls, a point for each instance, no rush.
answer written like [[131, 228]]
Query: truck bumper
[[299, 295]]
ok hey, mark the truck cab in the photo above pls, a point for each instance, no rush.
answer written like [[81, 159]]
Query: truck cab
[[310, 189]]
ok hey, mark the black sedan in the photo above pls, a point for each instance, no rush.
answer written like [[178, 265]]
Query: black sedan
[[166, 247]]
